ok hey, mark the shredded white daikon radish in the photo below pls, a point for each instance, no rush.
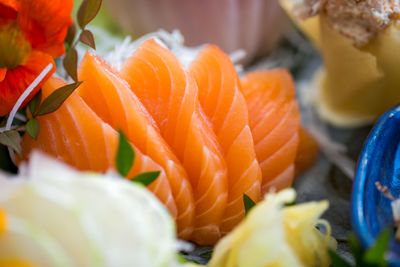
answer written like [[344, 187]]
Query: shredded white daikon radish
[[21, 99]]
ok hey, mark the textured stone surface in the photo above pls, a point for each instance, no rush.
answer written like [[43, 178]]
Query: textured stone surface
[[324, 180]]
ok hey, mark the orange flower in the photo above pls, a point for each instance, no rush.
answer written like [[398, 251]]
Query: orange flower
[[32, 33]]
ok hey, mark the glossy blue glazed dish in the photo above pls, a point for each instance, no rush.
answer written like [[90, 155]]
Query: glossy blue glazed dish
[[371, 212]]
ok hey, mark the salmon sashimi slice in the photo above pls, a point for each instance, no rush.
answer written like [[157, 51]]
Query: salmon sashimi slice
[[170, 94], [224, 104], [274, 120], [307, 152], [77, 136], [110, 97]]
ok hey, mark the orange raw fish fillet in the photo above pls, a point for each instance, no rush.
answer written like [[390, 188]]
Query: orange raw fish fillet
[[307, 152], [171, 96], [111, 98], [224, 104], [76, 135], [274, 121]]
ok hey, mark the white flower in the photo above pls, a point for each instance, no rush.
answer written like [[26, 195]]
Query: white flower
[[56, 216]]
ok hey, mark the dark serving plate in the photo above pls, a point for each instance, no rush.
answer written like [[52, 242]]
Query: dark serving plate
[[371, 212]]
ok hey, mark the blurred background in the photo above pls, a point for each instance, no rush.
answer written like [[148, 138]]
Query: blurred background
[[253, 25], [256, 26]]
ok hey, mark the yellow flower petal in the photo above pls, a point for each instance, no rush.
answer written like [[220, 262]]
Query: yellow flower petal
[[3, 223], [275, 235], [14, 263]]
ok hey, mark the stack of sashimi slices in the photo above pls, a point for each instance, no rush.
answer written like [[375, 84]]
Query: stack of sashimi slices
[[212, 136]]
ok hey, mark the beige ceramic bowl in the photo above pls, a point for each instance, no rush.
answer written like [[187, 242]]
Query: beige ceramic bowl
[[253, 25]]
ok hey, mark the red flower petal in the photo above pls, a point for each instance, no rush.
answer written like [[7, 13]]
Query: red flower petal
[[18, 79], [45, 24], [8, 10], [2, 74]]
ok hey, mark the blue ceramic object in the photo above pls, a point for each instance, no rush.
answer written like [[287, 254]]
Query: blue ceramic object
[[371, 212]]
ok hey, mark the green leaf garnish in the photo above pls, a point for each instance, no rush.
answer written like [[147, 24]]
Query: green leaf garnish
[[146, 178], [373, 257], [207, 254], [69, 39], [181, 258], [11, 139], [125, 155], [57, 98], [248, 203], [200, 256], [87, 38], [35, 102], [3, 122], [356, 248], [88, 11], [5, 162], [336, 260], [32, 127], [376, 254], [70, 63]]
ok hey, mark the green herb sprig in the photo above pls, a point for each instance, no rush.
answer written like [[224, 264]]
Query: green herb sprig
[[124, 161], [248, 203], [373, 257], [49, 105], [86, 13]]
